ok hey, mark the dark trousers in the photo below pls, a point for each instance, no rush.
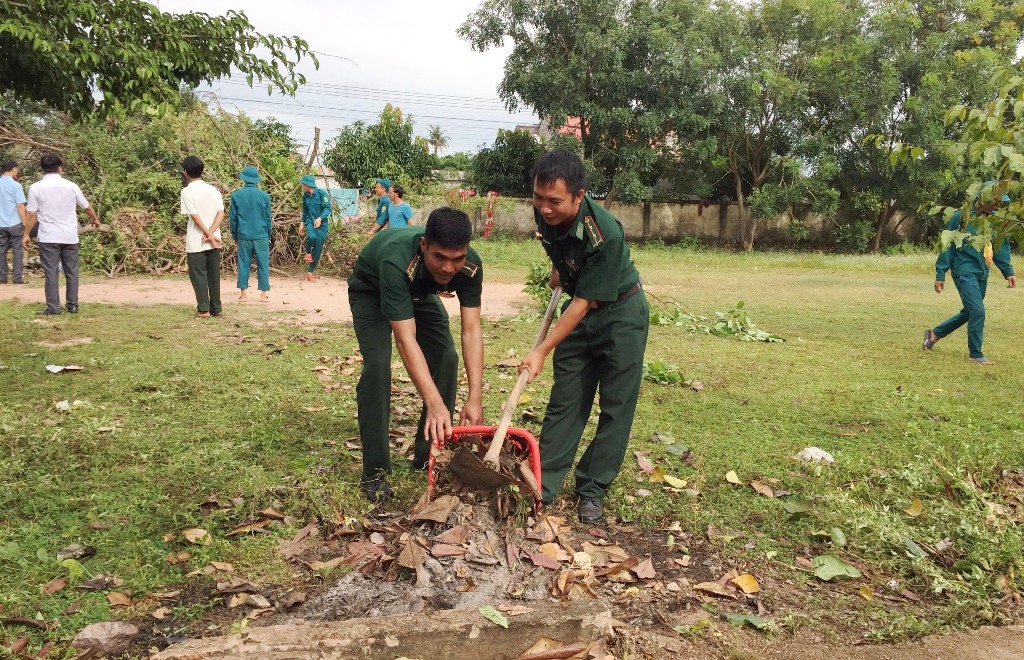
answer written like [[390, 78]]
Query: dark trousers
[[373, 394], [248, 249], [605, 350], [315, 246], [10, 239], [64, 255], [972, 295], [204, 272]]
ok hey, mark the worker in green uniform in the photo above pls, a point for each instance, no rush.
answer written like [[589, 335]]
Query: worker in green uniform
[[393, 289], [316, 210], [599, 338], [970, 270], [381, 188], [250, 219]]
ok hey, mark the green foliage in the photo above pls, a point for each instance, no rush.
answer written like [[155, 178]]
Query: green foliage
[[132, 54], [854, 237], [460, 161], [506, 167], [387, 149], [662, 373], [537, 283], [436, 138], [798, 230], [734, 323]]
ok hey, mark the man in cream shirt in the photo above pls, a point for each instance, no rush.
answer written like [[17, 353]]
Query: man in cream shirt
[[204, 206], [51, 202]]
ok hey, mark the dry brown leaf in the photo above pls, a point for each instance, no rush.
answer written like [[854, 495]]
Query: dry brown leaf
[[542, 560], [513, 610], [437, 509], [865, 592], [915, 509], [222, 566], [907, 593], [804, 562], [657, 475], [272, 513], [747, 583], [118, 599], [160, 613], [316, 408], [645, 463], [73, 607], [179, 557], [292, 599], [247, 528], [762, 488], [53, 586], [623, 577], [198, 536], [236, 600], [675, 482], [19, 644], [645, 570], [455, 536], [715, 589], [441, 550], [167, 595], [555, 551], [317, 566]]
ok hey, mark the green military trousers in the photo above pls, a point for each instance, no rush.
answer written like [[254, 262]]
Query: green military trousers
[[373, 393], [972, 295], [605, 351]]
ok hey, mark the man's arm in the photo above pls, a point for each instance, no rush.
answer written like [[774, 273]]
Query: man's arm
[[91, 212], [566, 323], [22, 214], [233, 217], [29, 220], [439, 418], [1001, 258], [473, 356]]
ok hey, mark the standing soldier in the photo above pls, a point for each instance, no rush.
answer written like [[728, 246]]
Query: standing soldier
[[381, 189], [250, 220], [393, 288], [316, 210], [599, 339]]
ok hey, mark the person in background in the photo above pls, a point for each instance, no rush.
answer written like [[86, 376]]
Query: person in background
[[12, 221], [399, 213], [381, 189], [970, 270], [250, 220], [316, 211], [204, 206], [51, 202]]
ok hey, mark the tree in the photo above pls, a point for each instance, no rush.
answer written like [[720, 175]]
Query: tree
[[506, 167], [632, 73], [437, 139], [460, 161], [362, 152], [913, 60], [82, 56]]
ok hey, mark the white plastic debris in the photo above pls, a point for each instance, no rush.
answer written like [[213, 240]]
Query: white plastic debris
[[63, 405], [815, 455]]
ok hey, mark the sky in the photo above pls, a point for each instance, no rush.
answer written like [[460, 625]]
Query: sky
[[405, 53]]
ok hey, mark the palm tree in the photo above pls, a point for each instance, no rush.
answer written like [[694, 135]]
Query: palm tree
[[437, 139]]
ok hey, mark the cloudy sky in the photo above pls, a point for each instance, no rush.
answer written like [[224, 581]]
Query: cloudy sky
[[403, 52]]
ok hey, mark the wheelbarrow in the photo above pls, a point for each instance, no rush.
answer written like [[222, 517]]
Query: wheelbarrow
[[484, 474]]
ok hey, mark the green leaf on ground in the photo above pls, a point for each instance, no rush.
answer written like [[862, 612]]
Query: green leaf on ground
[[494, 616], [828, 567]]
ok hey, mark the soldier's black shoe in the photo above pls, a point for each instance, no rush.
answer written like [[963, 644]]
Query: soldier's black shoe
[[418, 464], [48, 312], [376, 490], [591, 510], [72, 310]]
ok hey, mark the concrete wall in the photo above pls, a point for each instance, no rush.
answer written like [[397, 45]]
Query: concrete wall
[[671, 222]]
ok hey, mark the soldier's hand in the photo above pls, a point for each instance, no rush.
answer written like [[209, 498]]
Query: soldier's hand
[[438, 423], [534, 363], [472, 414], [1011, 282], [316, 223], [939, 284]]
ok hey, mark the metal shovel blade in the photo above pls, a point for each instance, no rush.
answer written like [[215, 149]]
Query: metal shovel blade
[[471, 470]]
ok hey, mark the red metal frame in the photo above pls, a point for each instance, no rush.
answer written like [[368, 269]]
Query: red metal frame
[[522, 439]]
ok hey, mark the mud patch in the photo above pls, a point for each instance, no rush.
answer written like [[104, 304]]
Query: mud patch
[[67, 343]]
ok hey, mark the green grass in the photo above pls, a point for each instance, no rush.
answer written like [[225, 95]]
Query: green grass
[[212, 410]]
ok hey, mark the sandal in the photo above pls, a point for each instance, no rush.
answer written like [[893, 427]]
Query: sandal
[[929, 343], [982, 360]]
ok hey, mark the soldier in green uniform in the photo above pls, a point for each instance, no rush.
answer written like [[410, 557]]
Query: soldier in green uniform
[[393, 289], [316, 211], [599, 338], [251, 222], [970, 270]]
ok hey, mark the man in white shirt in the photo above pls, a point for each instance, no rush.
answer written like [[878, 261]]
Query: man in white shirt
[[51, 202], [204, 206]]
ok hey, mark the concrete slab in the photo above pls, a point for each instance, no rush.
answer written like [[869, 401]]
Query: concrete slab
[[451, 634]]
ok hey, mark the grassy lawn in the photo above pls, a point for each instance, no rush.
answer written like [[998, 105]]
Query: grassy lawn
[[170, 414]]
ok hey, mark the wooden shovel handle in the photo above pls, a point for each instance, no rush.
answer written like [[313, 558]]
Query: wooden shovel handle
[[491, 458]]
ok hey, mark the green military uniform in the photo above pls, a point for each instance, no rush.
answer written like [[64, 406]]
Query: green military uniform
[[390, 283], [249, 216], [605, 351], [316, 204], [970, 275], [383, 205]]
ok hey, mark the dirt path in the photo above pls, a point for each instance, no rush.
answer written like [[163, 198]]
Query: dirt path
[[322, 301]]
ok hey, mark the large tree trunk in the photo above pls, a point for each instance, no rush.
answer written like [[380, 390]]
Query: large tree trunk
[[881, 222]]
